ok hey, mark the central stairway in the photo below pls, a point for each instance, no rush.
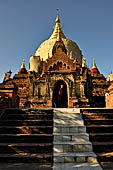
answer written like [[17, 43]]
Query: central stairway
[[72, 149], [26, 136]]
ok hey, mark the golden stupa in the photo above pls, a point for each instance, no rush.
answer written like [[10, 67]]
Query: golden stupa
[[45, 48]]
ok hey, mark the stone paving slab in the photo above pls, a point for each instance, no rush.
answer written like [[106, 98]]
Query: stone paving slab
[[81, 166]]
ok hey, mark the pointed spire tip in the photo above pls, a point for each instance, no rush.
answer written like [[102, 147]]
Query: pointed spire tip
[[57, 11], [94, 65], [23, 64], [57, 28]]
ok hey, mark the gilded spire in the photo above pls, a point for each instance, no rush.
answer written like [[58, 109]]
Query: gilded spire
[[57, 29], [94, 65], [59, 38], [57, 18], [94, 69], [23, 64]]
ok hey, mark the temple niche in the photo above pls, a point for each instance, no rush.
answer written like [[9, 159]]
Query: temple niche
[[57, 77]]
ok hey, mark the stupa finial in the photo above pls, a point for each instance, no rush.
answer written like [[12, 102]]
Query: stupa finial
[[57, 28], [94, 65], [23, 64], [57, 12]]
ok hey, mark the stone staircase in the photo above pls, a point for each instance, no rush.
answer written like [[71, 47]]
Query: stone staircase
[[71, 142], [26, 136], [99, 125]]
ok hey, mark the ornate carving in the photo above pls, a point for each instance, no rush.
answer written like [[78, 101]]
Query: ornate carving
[[7, 75]]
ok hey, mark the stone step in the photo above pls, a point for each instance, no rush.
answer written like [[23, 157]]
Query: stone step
[[107, 165], [62, 147], [67, 110], [27, 111], [100, 128], [32, 138], [77, 166], [75, 157], [26, 129], [98, 122], [80, 137], [26, 148], [97, 110], [69, 116], [100, 147], [27, 117], [26, 122], [68, 134], [39, 111], [98, 137], [68, 122], [95, 116], [26, 158], [69, 129], [110, 126], [103, 143], [105, 157], [26, 166]]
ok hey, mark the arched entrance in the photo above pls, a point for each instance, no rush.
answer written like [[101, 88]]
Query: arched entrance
[[60, 98]]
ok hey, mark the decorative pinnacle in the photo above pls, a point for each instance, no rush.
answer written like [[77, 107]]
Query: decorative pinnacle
[[83, 62], [94, 65], [57, 18], [57, 12], [23, 64]]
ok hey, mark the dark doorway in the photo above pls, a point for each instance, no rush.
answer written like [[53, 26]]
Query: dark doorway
[[60, 99]]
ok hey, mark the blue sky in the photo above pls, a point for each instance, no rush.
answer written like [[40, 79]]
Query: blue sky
[[24, 24]]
